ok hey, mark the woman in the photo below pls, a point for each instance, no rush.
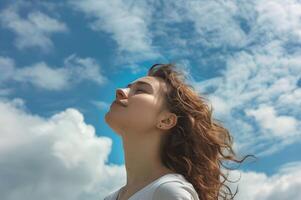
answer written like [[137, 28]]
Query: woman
[[173, 148]]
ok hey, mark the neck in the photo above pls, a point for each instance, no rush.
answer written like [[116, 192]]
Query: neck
[[142, 159]]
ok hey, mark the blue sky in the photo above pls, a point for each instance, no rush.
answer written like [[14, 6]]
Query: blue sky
[[60, 64]]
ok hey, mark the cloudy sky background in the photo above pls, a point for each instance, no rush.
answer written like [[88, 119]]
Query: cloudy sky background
[[60, 64]]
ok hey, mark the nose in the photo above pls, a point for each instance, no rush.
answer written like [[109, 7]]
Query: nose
[[120, 94]]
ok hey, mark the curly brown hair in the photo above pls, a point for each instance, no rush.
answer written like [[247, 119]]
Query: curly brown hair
[[197, 145]]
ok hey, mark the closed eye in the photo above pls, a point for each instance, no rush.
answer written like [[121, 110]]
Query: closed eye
[[139, 90]]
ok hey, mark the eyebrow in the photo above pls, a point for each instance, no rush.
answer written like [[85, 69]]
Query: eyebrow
[[141, 83]]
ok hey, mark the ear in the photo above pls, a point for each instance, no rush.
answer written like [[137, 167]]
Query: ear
[[168, 120]]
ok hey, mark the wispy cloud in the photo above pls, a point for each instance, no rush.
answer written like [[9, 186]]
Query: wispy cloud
[[32, 30], [282, 126], [258, 87], [101, 105], [128, 25], [214, 23], [41, 75], [256, 92]]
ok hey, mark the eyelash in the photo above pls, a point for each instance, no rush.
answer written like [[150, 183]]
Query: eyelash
[[139, 90]]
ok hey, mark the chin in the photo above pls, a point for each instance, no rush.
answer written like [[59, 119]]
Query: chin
[[110, 123], [107, 118]]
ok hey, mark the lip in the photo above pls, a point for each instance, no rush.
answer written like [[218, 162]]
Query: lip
[[118, 102]]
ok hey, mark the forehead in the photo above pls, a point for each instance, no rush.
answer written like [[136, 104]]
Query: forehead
[[157, 83], [153, 81]]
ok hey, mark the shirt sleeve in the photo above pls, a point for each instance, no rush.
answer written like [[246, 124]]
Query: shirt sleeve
[[172, 191]]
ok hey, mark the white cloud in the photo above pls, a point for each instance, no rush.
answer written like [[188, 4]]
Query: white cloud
[[6, 71], [83, 68], [280, 126], [65, 140], [253, 38], [214, 23], [219, 105], [127, 23], [240, 23], [249, 80], [285, 184], [61, 157], [266, 73], [41, 75], [279, 19], [6, 68], [34, 30], [292, 98], [55, 158], [101, 105]]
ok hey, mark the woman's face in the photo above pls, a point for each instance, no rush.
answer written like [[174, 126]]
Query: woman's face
[[142, 104]]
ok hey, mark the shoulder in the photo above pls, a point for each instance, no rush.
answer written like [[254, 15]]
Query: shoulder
[[174, 190]]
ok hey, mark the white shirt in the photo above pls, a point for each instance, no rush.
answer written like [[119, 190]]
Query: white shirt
[[172, 186]]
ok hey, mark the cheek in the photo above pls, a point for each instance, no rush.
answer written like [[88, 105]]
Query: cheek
[[139, 116], [142, 108], [143, 112]]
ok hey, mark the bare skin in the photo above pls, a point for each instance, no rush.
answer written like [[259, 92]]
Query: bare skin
[[142, 123]]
